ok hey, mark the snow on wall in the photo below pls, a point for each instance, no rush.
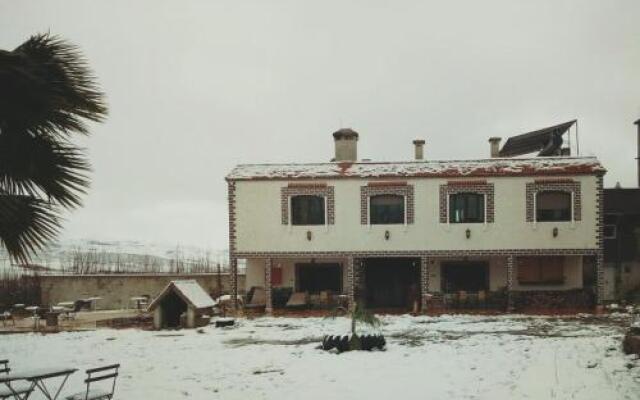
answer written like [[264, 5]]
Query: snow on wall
[[488, 167]]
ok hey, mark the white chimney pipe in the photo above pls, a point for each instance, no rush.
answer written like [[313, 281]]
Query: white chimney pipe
[[346, 145], [495, 146], [419, 149]]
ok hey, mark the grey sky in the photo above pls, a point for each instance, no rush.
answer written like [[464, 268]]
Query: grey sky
[[195, 87]]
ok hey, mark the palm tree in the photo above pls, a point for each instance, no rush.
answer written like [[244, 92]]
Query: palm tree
[[46, 94], [358, 314]]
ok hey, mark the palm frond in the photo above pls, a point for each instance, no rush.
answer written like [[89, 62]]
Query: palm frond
[[46, 93], [47, 88], [43, 167], [26, 225], [361, 314]]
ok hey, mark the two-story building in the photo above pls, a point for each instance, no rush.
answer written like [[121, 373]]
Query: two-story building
[[427, 233]]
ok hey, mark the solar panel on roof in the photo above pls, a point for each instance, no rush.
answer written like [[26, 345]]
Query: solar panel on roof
[[547, 141]]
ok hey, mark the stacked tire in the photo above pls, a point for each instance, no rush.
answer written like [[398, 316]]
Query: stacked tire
[[342, 343]]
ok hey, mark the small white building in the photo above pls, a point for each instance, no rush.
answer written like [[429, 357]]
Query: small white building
[[396, 234], [181, 304]]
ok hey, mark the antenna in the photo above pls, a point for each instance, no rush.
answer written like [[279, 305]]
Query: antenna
[[577, 140], [569, 139]]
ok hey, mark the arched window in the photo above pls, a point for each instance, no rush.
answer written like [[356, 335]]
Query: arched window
[[553, 206], [307, 210], [466, 208], [386, 209]]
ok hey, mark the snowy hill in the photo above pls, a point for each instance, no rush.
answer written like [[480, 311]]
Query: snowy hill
[[86, 256]]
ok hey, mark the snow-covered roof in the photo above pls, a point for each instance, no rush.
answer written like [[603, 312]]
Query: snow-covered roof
[[189, 290], [451, 168]]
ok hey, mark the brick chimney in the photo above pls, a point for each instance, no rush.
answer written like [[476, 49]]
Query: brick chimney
[[346, 144], [495, 146], [419, 149]]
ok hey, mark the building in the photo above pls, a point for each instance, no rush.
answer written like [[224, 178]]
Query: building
[[517, 231], [622, 239]]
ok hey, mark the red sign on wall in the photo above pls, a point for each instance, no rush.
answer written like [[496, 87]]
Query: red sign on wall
[[276, 276]]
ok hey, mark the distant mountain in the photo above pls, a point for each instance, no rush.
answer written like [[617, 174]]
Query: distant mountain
[[93, 256]]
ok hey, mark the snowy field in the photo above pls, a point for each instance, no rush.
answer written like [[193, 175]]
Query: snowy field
[[447, 357]]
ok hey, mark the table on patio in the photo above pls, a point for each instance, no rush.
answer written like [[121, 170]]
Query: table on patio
[[94, 302], [35, 316], [37, 378]]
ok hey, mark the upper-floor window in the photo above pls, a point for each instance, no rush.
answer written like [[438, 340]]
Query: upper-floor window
[[307, 210], [466, 208], [386, 209], [553, 206]]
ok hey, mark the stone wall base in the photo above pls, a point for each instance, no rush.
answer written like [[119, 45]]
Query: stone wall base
[[553, 299]]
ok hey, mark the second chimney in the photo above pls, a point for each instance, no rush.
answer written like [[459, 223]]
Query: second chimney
[[495, 146], [419, 149], [346, 143]]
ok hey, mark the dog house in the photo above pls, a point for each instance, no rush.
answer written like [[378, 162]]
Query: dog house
[[181, 304]]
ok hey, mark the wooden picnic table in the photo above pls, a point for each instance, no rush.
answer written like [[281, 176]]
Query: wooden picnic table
[[37, 378]]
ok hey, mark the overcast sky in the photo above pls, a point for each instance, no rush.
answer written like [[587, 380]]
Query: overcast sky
[[195, 87]]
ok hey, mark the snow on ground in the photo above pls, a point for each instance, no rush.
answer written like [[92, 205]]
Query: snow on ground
[[446, 357]]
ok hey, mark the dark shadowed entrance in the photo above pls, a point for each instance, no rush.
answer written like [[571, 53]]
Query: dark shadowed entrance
[[469, 276], [391, 282], [172, 308]]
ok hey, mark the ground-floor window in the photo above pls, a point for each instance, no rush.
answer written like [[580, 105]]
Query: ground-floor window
[[318, 277], [541, 270], [465, 276]]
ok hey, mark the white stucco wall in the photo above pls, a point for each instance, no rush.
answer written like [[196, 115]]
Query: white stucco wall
[[259, 227]]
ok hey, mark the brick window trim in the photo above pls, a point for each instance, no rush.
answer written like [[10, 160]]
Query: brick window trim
[[568, 186], [479, 187], [309, 190], [373, 190]]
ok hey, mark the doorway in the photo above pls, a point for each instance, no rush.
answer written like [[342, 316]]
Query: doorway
[[392, 282]]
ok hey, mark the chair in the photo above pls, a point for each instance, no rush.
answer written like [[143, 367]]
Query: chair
[[95, 375], [482, 299], [326, 298], [7, 316], [298, 300], [462, 298], [258, 298], [19, 390]]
